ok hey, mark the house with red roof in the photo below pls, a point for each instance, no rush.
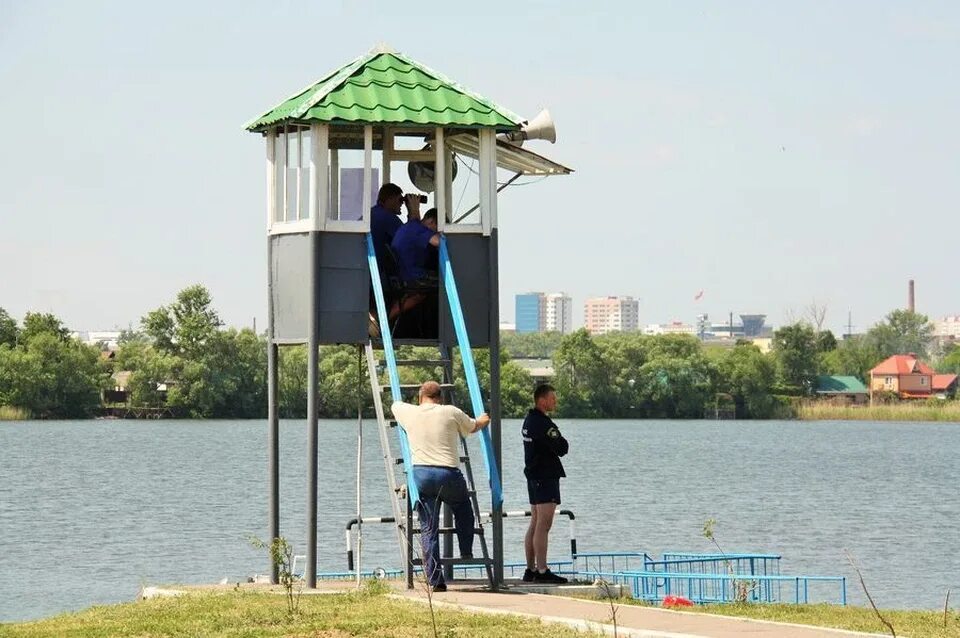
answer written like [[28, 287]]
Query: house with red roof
[[910, 378]]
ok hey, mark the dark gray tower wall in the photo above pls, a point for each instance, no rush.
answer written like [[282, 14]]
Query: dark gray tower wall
[[343, 287]]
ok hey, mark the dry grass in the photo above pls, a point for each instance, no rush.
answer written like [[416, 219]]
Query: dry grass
[[9, 413], [934, 410]]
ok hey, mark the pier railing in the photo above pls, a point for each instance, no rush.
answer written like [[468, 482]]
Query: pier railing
[[705, 588]]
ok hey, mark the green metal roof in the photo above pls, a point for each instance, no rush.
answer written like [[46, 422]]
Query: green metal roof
[[385, 87], [833, 384]]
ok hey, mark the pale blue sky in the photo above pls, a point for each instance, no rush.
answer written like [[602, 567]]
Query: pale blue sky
[[769, 153]]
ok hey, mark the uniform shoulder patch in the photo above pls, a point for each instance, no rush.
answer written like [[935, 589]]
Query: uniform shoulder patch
[[553, 433]]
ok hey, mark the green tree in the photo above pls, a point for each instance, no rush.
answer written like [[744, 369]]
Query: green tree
[[186, 326], [516, 386], [224, 377], [625, 353], [854, 356], [826, 341], [292, 382], [51, 376], [583, 379], [674, 386], [748, 376], [150, 367], [902, 332], [530, 345], [35, 323], [8, 329], [950, 364], [795, 348]]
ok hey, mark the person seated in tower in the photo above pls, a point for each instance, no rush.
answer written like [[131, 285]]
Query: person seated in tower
[[414, 245], [385, 217], [384, 224], [434, 432]]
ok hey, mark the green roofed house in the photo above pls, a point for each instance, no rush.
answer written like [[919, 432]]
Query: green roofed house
[[330, 147], [846, 388]]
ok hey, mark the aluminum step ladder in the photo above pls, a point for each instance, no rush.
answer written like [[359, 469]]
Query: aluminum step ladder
[[402, 488]]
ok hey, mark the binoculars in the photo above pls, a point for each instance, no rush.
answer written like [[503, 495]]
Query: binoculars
[[422, 198]]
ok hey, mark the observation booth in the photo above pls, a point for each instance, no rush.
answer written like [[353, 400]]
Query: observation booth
[[329, 148]]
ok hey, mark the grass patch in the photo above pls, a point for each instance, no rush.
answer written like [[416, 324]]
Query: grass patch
[[249, 614], [914, 623], [918, 623], [10, 413], [933, 410]]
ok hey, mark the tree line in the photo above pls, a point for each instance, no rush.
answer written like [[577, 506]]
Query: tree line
[[182, 358]]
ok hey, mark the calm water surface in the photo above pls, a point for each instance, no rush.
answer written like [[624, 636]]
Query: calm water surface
[[92, 510]]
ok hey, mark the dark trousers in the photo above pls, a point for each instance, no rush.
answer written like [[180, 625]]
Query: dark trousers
[[439, 485]]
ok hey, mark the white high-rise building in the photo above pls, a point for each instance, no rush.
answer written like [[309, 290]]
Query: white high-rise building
[[947, 329], [559, 312], [611, 314]]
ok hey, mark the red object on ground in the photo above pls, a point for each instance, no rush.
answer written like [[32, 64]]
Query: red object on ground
[[676, 601]]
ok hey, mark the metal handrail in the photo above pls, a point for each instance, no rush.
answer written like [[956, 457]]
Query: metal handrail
[[484, 515]]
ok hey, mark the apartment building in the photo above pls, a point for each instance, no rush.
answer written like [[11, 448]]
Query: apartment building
[[611, 314], [544, 312]]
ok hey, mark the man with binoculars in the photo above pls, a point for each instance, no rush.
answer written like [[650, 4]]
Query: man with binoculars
[[385, 226], [385, 216]]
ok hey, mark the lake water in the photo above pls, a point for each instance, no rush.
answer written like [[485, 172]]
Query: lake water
[[92, 510]]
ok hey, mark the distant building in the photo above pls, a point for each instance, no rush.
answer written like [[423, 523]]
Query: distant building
[[558, 315], [672, 328], [544, 312], [611, 314], [508, 327], [845, 388], [540, 370], [765, 344], [910, 378], [109, 338], [749, 327], [947, 330], [530, 312]]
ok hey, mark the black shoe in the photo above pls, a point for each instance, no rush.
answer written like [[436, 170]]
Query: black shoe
[[439, 587], [529, 575], [548, 577]]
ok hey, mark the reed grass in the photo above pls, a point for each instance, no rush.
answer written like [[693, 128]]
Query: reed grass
[[10, 413], [933, 410]]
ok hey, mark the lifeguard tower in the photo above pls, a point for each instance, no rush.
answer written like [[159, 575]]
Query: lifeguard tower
[[329, 148]]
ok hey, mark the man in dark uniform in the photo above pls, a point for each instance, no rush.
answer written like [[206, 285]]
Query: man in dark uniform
[[543, 445]]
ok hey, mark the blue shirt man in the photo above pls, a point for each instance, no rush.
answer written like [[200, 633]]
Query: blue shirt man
[[412, 242], [385, 218]]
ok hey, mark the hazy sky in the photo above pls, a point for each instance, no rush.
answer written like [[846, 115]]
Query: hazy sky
[[769, 153]]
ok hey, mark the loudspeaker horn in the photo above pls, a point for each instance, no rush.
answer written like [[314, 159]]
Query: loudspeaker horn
[[539, 128]]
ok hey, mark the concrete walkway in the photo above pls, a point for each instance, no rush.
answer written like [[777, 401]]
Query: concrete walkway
[[645, 622]]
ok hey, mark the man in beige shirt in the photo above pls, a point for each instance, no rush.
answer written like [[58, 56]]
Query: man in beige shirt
[[434, 431]]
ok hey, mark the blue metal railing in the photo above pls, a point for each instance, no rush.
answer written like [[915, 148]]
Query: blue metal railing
[[729, 564], [391, 359], [470, 370], [590, 562], [653, 586]]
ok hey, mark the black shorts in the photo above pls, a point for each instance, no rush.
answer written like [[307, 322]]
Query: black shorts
[[544, 491]]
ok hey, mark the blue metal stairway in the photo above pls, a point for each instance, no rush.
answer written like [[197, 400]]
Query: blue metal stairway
[[404, 493]]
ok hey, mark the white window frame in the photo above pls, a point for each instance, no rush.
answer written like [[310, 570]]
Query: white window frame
[[278, 158], [487, 143], [348, 225]]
